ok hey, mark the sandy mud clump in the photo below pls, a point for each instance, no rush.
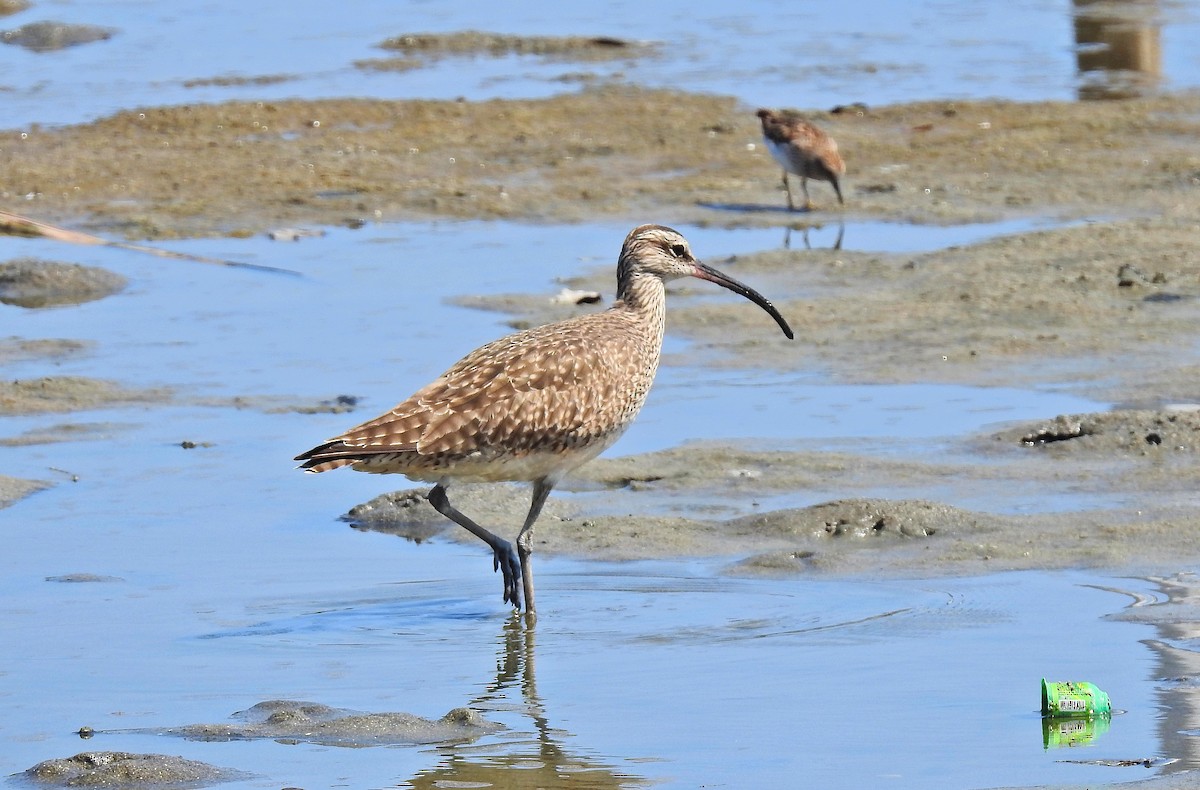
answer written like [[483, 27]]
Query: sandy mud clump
[[70, 393], [49, 36], [417, 49], [124, 769], [312, 722], [8, 7], [33, 282], [16, 349], [14, 488]]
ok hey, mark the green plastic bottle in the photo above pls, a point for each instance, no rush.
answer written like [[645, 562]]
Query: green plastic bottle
[[1069, 699]]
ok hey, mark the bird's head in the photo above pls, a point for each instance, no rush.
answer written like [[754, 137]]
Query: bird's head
[[657, 251], [662, 252]]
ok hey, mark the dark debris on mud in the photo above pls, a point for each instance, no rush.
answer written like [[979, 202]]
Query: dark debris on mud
[[1138, 431]]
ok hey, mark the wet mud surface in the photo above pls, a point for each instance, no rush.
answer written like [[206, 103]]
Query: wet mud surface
[[241, 167], [673, 504]]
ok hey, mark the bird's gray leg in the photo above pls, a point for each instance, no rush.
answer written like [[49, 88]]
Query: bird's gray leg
[[504, 558], [541, 490], [808, 204], [788, 187]]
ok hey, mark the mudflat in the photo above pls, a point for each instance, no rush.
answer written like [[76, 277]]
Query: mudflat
[[1103, 302]]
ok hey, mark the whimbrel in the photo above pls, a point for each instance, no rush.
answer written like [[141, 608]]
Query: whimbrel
[[534, 405], [804, 150]]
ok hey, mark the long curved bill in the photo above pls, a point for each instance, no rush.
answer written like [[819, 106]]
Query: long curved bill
[[705, 272]]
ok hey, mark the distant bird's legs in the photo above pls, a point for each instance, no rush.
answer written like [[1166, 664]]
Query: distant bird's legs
[[808, 204]]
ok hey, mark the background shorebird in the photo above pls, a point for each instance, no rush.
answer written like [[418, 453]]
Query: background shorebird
[[534, 405], [803, 149]]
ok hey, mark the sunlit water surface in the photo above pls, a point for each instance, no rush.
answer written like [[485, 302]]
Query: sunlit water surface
[[234, 583], [796, 55]]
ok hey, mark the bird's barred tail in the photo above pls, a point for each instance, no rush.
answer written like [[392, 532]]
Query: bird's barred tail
[[331, 455]]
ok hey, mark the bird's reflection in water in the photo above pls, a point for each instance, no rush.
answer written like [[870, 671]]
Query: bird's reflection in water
[[1118, 48], [537, 759], [805, 228]]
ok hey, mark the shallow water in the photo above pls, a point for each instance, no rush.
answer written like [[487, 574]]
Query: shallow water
[[370, 318], [646, 671], [233, 582], [811, 55], [230, 581]]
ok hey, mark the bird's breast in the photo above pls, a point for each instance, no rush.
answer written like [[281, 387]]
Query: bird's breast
[[780, 153]]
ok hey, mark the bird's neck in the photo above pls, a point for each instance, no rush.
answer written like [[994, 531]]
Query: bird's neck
[[640, 311], [645, 296]]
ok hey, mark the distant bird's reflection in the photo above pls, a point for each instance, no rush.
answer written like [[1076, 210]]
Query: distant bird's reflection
[[1118, 48], [804, 228], [525, 760]]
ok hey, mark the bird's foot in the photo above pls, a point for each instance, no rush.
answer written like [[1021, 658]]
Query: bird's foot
[[505, 560]]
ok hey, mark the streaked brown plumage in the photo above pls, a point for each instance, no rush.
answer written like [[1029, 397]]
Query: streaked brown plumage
[[536, 404], [802, 149]]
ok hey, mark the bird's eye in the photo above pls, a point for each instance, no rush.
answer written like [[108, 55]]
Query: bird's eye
[[678, 250]]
